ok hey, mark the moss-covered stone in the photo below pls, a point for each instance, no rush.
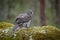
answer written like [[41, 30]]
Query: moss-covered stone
[[4, 25], [36, 33], [47, 33]]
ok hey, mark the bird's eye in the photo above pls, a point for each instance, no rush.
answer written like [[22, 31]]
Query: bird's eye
[[31, 12]]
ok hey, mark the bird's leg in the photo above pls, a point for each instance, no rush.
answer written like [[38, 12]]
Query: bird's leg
[[28, 24]]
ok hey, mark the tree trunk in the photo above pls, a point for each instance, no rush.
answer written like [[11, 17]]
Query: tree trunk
[[57, 8], [42, 12]]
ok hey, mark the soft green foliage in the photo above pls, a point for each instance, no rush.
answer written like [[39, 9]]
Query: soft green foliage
[[34, 33]]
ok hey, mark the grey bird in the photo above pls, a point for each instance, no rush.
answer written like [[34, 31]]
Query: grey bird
[[23, 20]]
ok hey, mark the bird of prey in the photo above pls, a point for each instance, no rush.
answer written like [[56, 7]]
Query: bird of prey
[[23, 20]]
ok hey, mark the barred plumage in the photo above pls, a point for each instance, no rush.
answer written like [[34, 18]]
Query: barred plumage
[[23, 20]]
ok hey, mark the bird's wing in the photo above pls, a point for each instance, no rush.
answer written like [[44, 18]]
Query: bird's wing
[[26, 18], [23, 18]]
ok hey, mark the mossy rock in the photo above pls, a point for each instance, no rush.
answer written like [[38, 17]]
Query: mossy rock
[[47, 33], [4, 25], [36, 33]]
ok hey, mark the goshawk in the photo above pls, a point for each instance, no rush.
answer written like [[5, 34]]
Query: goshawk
[[23, 20]]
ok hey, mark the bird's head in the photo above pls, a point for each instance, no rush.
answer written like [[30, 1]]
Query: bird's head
[[29, 12]]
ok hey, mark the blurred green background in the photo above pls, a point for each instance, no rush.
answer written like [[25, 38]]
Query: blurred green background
[[9, 9]]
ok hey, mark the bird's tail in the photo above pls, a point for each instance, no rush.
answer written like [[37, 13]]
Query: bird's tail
[[15, 27]]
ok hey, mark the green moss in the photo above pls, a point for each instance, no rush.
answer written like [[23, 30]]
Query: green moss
[[37, 33], [4, 25], [47, 33]]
